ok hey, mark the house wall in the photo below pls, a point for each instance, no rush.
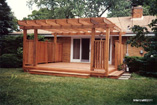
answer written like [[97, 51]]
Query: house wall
[[132, 51], [113, 48], [66, 41]]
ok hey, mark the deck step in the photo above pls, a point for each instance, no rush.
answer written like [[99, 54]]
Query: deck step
[[59, 73], [115, 74], [110, 71]]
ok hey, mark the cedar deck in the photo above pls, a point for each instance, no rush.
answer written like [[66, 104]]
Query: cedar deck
[[36, 52], [69, 69]]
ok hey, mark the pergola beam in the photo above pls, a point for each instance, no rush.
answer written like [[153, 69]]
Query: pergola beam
[[66, 27], [101, 33]]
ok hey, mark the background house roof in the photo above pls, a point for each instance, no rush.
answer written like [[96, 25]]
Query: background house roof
[[125, 23], [31, 31]]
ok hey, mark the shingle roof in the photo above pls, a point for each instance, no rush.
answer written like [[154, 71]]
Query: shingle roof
[[125, 22]]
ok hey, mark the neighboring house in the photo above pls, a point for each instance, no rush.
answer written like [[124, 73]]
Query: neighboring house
[[79, 46], [125, 23]]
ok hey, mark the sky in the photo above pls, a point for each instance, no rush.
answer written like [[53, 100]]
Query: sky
[[20, 8]]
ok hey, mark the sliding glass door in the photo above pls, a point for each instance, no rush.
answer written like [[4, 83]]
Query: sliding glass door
[[80, 50]]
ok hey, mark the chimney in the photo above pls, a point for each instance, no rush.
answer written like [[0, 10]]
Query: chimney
[[137, 12]]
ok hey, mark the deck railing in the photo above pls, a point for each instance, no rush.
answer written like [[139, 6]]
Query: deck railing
[[45, 52]]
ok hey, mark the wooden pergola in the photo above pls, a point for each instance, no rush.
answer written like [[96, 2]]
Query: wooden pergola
[[79, 26]]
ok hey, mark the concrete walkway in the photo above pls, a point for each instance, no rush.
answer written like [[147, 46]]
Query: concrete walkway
[[125, 76]]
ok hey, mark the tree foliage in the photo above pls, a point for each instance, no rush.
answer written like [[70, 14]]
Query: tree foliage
[[149, 43], [142, 39], [79, 8], [7, 19], [56, 8], [43, 13], [124, 8]]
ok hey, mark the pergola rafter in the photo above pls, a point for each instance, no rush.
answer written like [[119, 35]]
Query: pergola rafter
[[70, 25]]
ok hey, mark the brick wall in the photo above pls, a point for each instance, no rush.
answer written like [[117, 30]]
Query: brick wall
[[132, 51], [137, 12]]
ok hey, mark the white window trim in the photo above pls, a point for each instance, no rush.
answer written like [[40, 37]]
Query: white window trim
[[110, 61], [71, 55]]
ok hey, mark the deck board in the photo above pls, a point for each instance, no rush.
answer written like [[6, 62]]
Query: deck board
[[73, 66], [60, 68]]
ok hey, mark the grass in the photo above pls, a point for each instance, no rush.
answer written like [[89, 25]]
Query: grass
[[20, 88]]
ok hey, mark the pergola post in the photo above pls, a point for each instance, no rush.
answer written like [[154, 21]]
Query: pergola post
[[35, 46], [92, 49], [107, 50], [24, 46], [55, 46], [120, 44]]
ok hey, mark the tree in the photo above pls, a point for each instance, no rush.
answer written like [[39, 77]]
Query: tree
[[43, 13], [76, 8], [149, 43], [7, 19], [141, 39], [57, 9], [123, 8]]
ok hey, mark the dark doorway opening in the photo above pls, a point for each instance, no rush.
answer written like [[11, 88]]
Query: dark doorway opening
[[85, 49]]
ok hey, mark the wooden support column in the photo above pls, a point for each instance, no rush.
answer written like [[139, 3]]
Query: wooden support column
[[92, 50], [55, 46], [46, 51], [120, 45], [24, 46], [35, 46], [107, 51], [116, 53]]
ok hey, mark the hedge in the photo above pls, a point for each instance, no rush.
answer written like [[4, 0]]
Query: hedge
[[142, 65]]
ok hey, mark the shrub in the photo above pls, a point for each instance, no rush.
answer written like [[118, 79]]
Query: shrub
[[12, 49], [149, 67], [134, 63], [120, 67], [31, 37], [10, 61], [10, 44], [143, 65]]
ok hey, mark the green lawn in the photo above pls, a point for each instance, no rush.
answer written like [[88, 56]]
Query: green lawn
[[20, 88]]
